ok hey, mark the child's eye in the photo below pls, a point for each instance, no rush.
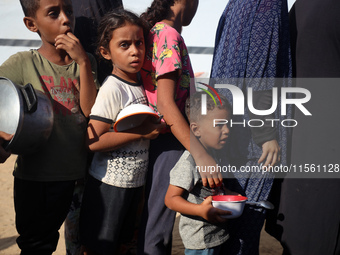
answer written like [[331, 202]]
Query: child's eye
[[69, 12], [53, 14], [221, 125], [139, 43], [124, 45]]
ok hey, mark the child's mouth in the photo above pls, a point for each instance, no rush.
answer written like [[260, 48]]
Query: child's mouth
[[135, 63]]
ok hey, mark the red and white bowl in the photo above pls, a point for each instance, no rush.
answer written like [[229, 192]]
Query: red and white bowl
[[133, 116], [234, 204]]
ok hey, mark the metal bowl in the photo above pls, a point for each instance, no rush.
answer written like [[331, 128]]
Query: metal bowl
[[26, 113]]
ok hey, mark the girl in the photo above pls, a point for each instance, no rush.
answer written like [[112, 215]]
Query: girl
[[118, 169], [166, 75]]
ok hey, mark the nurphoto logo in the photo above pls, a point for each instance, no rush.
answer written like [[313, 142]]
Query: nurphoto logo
[[286, 99]]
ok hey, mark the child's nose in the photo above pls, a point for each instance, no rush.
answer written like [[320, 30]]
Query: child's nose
[[134, 49], [225, 129], [65, 18]]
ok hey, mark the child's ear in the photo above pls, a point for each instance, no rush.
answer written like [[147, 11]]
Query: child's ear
[[105, 53], [195, 129], [30, 24]]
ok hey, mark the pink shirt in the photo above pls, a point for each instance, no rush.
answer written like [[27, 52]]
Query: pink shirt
[[166, 52]]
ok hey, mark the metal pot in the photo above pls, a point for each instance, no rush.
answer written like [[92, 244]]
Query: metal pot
[[26, 113]]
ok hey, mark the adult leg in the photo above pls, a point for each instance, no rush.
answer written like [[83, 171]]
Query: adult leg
[[245, 230]]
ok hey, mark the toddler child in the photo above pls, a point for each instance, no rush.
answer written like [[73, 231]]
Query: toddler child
[[202, 227]]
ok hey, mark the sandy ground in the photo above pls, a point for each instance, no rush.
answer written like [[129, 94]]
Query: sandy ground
[[8, 234]]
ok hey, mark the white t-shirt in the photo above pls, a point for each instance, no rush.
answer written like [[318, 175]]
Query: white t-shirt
[[125, 167]]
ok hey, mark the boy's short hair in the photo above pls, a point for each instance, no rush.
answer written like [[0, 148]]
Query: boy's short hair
[[30, 7], [194, 104]]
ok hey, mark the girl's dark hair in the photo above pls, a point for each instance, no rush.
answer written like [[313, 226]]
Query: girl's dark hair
[[113, 20], [158, 11]]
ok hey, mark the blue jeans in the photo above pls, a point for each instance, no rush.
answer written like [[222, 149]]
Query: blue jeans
[[210, 251]]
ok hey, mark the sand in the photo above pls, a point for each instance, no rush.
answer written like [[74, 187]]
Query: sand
[[8, 234]]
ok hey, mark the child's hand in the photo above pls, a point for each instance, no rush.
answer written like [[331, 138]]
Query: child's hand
[[209, 172], [149, 129], [211, 213], [271, 153], [71, 44], [4, 154]]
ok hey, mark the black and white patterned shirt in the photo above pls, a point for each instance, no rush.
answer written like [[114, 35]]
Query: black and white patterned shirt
[[125, 167]]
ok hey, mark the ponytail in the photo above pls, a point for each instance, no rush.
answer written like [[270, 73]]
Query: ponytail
[[158, 11]]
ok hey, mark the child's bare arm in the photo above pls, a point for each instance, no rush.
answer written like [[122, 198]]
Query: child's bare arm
[[202, 159], [180, 128], [88, 90], [174, 201], [99, 137]]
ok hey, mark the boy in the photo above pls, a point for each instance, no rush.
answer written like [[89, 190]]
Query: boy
[[44, 180], [186, 193]]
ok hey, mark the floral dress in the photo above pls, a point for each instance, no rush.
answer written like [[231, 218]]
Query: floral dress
[[166, 53]]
